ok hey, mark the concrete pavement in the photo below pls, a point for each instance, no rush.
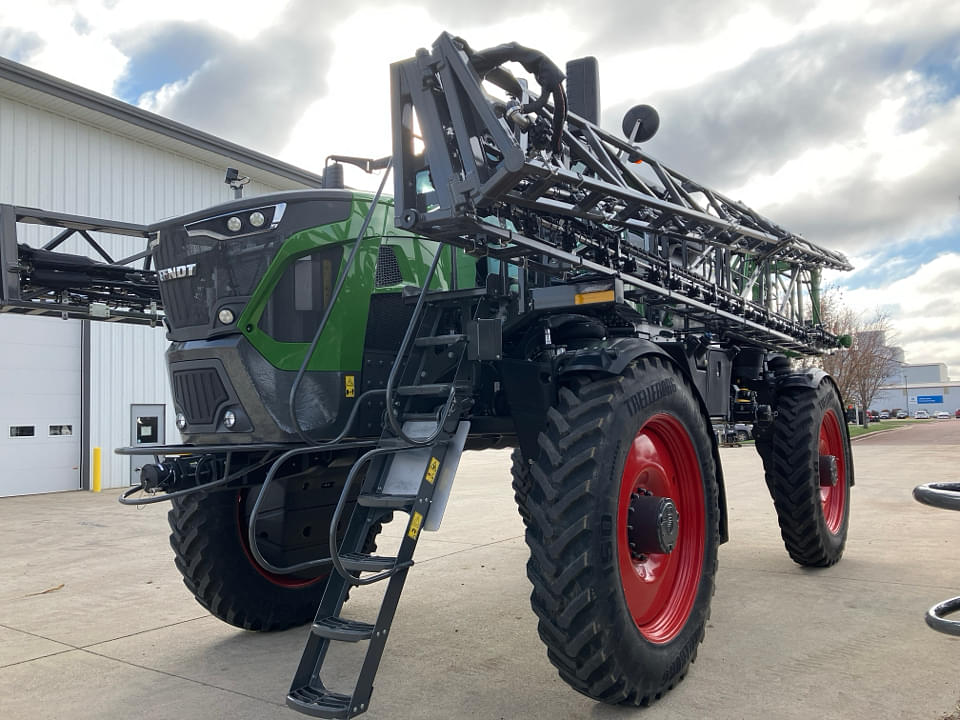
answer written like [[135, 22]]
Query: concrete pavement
[[95, 622]]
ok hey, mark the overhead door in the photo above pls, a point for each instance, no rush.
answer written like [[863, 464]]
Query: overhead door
[[39, 405]]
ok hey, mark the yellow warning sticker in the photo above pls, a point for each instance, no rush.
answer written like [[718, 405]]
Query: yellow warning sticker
[[349, 386], [432, 470], [415, 522]]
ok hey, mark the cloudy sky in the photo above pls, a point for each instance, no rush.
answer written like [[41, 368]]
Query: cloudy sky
[[839, 119]]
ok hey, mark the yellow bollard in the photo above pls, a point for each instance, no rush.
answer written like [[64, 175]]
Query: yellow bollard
[[95, 479]]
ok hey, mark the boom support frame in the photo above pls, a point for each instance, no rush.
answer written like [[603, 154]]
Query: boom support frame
[[601, 207], [48, 281]]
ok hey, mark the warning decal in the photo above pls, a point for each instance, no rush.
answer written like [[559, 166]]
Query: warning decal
[[415, 522], [432, 470]]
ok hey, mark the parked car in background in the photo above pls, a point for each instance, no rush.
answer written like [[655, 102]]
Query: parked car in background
[[942, 415], [884, 414], [921, 415], [873, 415], [903, 414], [734, 433], [957, 414]]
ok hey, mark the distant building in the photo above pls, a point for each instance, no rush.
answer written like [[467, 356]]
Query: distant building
[[919, 386]]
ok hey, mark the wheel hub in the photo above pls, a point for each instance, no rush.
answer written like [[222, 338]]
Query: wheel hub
[[829, 472], [653, 524]]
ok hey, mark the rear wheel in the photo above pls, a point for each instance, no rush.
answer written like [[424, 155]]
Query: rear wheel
[[209, 540], [623, 533], [808, 470]]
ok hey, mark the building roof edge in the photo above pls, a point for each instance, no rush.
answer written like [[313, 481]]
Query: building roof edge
[[22, 75]]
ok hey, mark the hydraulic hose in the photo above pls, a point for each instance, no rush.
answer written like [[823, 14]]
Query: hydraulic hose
[[292, 400], [550, 78]]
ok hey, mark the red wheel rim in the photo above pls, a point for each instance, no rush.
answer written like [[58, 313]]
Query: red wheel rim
[[287, 581], [833, 498], [661, 588]]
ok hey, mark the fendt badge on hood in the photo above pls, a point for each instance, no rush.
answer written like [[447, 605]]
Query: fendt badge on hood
[[177, 271]]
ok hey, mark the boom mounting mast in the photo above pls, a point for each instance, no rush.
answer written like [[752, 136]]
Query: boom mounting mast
[[590, 204]]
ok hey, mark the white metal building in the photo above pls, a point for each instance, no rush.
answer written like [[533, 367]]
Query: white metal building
[[919, 386], [70, 386]]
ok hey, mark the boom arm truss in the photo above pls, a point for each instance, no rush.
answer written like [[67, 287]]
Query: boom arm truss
[[485, 180], [47, 281]]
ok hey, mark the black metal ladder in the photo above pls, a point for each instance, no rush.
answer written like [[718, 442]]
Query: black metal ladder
[[417, 452], [387, 487]]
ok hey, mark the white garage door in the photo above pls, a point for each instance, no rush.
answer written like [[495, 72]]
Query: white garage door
[[39, 405]]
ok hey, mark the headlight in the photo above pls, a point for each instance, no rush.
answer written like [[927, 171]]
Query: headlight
[[181, 421], [229, 419], [227, 226], [225, 316]]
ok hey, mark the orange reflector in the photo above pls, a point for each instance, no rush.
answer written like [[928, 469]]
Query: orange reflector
[[593, 297]]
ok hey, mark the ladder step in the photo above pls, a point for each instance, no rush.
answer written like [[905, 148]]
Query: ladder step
[[441, 389], [397, 502], [319, 702], [367, 563], [419, 417], [439, 340], [337, 628]]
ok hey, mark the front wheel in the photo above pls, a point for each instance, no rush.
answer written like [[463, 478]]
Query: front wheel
[[209, 539], [623, 532]]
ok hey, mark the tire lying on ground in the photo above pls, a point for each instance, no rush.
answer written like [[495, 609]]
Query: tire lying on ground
[[209, 540], [622, 619], [808, 467]]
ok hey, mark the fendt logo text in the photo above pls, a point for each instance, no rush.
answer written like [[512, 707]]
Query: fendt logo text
[[177, 271]]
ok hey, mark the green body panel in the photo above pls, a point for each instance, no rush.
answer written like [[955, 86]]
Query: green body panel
[[341, 347], [342, 343], [414, 256]]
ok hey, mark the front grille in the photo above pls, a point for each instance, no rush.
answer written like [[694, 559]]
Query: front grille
[[388, 269], [205, 271], [199, 394]]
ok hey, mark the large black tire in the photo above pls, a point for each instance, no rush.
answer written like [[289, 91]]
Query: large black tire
[[209, 540], [613, 636], [522, 480], [813, 519]]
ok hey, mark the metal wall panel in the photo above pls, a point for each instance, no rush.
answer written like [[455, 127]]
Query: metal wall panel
[[58, 163]]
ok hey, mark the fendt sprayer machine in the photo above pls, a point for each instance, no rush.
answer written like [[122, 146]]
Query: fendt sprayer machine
[[535, 282]]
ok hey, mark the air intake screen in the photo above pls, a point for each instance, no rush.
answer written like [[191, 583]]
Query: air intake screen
[[388, 270], [199, 393]]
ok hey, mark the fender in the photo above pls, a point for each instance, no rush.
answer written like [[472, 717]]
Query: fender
[[810, 379], [612, 357]]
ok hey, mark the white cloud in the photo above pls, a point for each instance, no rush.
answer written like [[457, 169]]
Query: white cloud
[[924, 306], [86, 58], [883, 151], [80, 37], [354, 116], [155, 100], [633, 76]]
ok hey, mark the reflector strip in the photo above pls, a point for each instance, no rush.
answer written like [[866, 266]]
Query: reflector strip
[[594, 297]]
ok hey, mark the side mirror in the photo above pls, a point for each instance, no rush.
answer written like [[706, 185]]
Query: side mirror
[[640, 123]]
